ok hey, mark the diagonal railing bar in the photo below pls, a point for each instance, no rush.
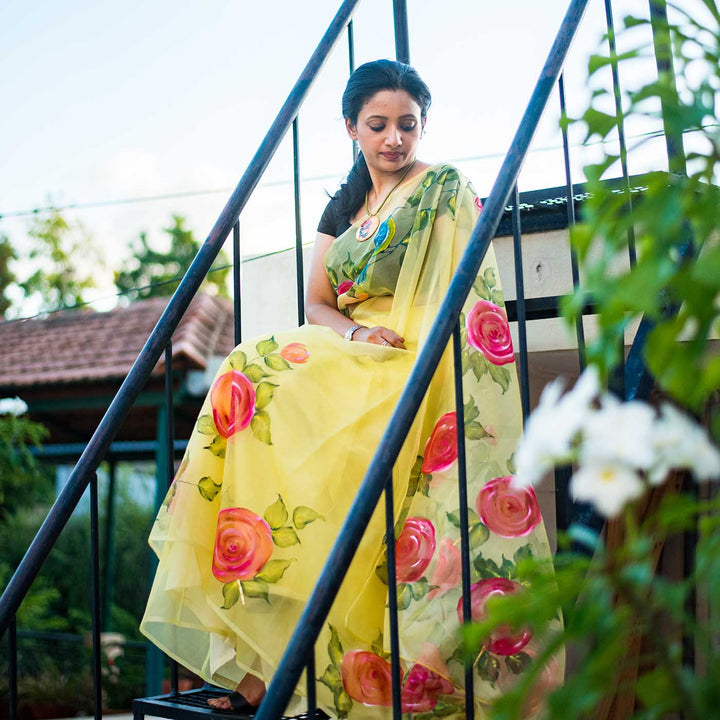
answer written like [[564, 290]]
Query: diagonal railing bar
[[161, 334], [318, 605]]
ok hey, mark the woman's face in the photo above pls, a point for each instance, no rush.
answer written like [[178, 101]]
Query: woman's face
[[388, 130]]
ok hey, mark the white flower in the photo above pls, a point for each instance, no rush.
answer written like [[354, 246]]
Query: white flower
[[619, 432], [12, 406], [607, 485], [553, 426], [678, 442]]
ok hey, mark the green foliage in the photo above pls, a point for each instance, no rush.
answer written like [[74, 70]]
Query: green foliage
[[58, 251], [7, 276], [156, 273]]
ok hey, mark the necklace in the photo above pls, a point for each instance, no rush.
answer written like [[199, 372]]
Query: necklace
[[370, 224]]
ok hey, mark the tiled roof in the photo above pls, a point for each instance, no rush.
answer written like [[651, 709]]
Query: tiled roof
[[78, 346]]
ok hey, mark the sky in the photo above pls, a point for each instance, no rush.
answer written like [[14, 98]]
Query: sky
[[108, 102]]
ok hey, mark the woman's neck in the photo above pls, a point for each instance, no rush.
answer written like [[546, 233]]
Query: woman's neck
[[384, 183]]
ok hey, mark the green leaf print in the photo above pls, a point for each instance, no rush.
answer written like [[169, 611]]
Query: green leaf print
[[440, 710], [490, 277], [285, 537], [332, 275], [381, 571], [273, 570], [523, 553], [208, 488], [518, 663], [470, 410], [256, 589], [479, 364], [465, 360], [260, 427], [217, 446], [487, 567], [206, 425], [335, 650], [488, 667], [420, 588], [343, 703], [276, 514], [265, 347], [255, 373], [277, 362], [415, 473], [429, 180], [303, 515], [264, 394], [238, 360], [510, 463], [404, 596], [378, 646], [454, 517], [231, 594], [475, 431], [452, 204], [331, 678], [424, 218], [463, 330], [500, 375], [478, 535]]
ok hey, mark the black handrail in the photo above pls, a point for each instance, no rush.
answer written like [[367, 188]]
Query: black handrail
[[142, 367], [318, 605]]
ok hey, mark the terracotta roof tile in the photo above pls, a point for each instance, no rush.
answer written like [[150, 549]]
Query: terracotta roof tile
[[82, 345]]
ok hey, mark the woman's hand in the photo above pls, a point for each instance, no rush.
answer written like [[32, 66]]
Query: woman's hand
[[379, 335]]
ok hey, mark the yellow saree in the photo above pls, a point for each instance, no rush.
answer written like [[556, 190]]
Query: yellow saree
[[282, 443]]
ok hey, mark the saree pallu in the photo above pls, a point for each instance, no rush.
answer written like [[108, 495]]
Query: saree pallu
[[282, 443]]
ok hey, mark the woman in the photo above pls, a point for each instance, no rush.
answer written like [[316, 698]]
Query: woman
[[292, 421]]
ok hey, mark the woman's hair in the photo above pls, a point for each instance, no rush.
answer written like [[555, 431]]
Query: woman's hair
[[367, 80]]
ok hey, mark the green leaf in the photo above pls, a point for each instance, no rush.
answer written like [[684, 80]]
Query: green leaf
[[420, 588], [470, 410], [335, 649], [465, 360], [238, 360], [415, 473], [260, 427], [208, 488], [343, 703], [378, 647], [404, 596], [478, 535], [381, 571], [265, 347], [488, 667], [479, 364], [486, 567], [331, 678], [454, 517], [254, 373], [500, 375], [423, 218], [285, 537], [518, 663], [524, 552], [273, 570], [510, 463], [277, 362], [231, 594], [490, 277], [256, 589], [452, 204], [217, 446], [206, 425], [475, 431], [264, 394], [276, 514], [303, 515]]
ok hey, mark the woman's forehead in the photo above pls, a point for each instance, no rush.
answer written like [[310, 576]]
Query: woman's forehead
[[390, 103]]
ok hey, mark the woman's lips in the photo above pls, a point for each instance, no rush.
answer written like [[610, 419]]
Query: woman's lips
[[392, 156]]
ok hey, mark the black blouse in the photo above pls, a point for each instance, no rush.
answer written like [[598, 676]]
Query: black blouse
[[331, 222]]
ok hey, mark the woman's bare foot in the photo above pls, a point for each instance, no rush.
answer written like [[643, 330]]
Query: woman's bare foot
[[251, 689]]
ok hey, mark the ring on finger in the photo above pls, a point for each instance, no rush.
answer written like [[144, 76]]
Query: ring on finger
[[385, 342]]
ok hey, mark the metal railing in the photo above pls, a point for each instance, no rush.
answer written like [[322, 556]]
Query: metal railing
[[299, 654]]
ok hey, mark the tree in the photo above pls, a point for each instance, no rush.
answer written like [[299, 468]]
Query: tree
[[59, 278], [7, 276], [153, 273]]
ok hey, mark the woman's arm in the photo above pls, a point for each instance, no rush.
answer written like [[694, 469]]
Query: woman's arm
[[321, 303]]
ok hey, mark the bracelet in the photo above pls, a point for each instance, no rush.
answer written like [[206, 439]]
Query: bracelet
[[351, 331]]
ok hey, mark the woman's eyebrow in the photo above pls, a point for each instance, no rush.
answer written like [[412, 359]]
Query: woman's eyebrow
[[384, 117]]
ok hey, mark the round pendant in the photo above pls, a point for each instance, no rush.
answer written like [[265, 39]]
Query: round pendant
[[367, 228]]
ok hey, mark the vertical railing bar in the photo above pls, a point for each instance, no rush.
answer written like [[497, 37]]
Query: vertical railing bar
[[109, 549], [300, 276], [464, 519], [620, 116], [95, 580], [170, 467], [579, 328], [237, 284], [521, 315], [392, 599], [402, 34], [311, 689], [12, 669], [351, 65]]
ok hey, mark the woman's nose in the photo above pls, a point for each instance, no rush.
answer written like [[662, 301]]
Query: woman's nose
[[393, 138]]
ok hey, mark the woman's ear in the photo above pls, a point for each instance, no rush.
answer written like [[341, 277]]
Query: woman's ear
[[351, 129]]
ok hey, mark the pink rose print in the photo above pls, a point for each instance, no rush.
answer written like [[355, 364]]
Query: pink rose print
[[478, 204], [441, 447], [421, 689], [295, 353], [414, 549], [343, 287], [447, 571], [503, 640], [366, 678], [507, 510], [233, 403], [549, 679], [243, 544], [489, 332]]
